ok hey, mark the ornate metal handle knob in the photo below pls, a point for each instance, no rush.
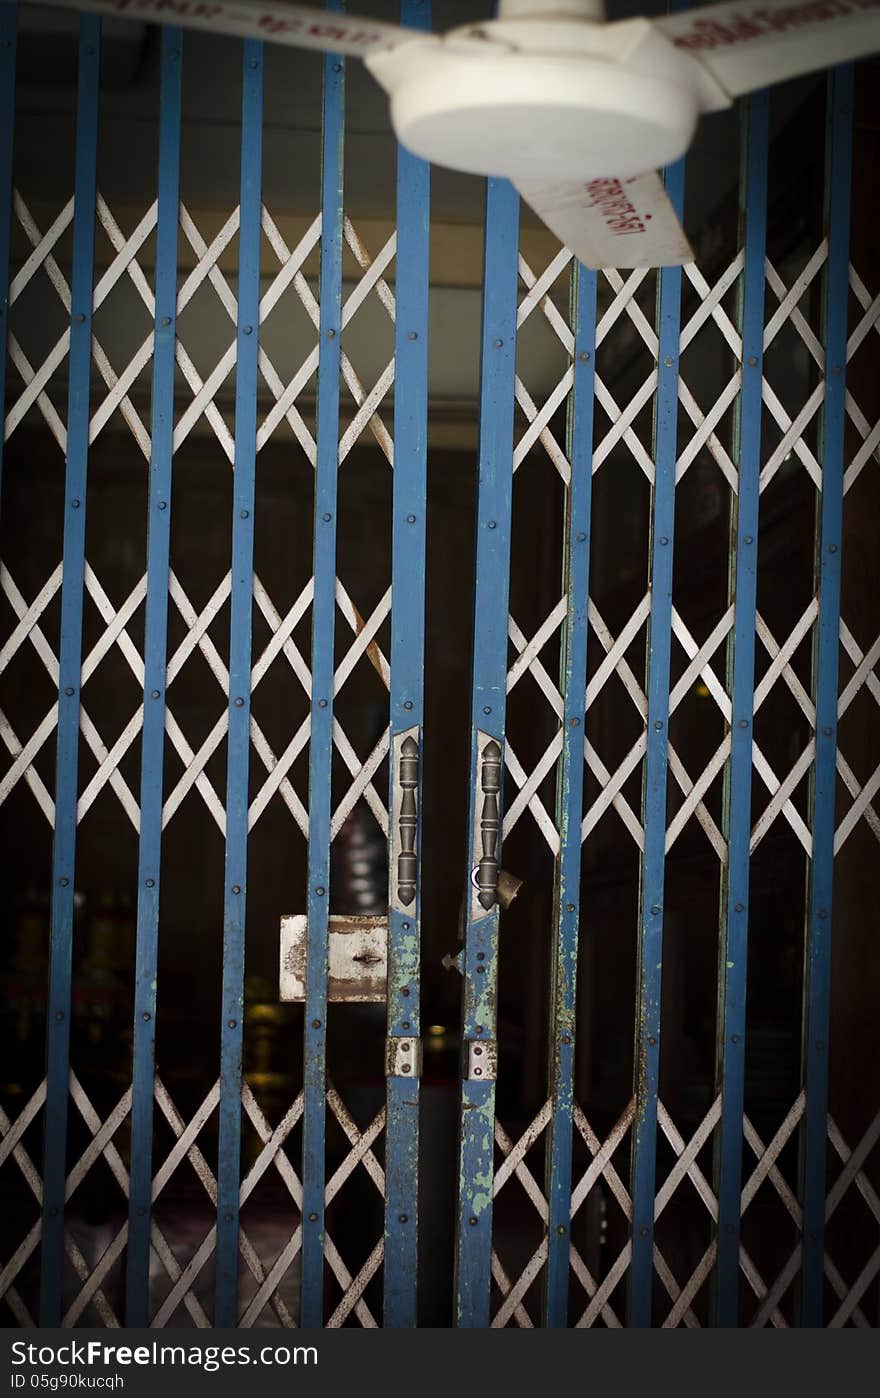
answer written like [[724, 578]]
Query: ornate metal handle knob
[[408, 777], [490, 785]]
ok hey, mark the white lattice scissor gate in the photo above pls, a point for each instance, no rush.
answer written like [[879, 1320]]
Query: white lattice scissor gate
[[672, 731]]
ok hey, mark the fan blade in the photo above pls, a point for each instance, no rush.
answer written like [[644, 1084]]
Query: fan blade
[[300, 26], [749, 46], [612, 223]]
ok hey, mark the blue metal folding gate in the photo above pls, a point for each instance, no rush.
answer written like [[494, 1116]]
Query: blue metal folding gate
[[556, 1284]]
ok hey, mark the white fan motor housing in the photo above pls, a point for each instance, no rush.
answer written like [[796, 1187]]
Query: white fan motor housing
[[534, 116]]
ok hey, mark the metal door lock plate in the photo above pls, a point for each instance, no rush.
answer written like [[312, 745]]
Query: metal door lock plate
[[403, 1056], [357, 958], [482, 1060]]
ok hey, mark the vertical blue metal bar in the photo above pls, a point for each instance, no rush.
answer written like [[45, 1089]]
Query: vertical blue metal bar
[[647, 1038], [407, 697], [321, 747], [817, 977], [566, 914], [70, 666], [8, 36], [155, 647], [240, 630], [733, 940], [489, 692]]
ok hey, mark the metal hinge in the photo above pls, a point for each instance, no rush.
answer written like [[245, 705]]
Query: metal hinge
[[403, 1056], [482, 1060]]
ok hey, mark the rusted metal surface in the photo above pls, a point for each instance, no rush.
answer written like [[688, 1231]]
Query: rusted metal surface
[[358, 958]]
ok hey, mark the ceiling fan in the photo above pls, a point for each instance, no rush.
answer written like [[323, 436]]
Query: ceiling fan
[[578, 113]]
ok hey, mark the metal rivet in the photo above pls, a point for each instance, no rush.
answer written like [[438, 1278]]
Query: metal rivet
[[146, 1016], [497, 343], [652, 1041], [403, 1218], [752, 361], [479, 1029], [481, 956], [478, 1072], [407, 704], [655, 908], [734, 1038], [162, 505], [480, 970], [487, 708], [313, 1218], [478, 1050], [404, 990], [322, 703], [405, 926], [737, 907], [232, 1023], [331, 334], [69, 691], [645, 1232], [569, 907], [154, 694], [748, 539], [836, 369], [664, 541], [827, 732], [823, 912], [247, 329], [74, 504], [151, 883], [566, 1038], [337, 67], [410, 519], [832, 548], [227, 1218], [59, 1015], [581, 538], [583, 356], [238, 702], [490, 524], [573, 722], [326, 518], [320, 890], [166, 320], [316, 1024], [560, 1229], [79, 318], [64, 882], [743, 723], [405, 1047], [658, 724], [252, 63], [413, 335], [140, 1211], [473, 1222], [244, 514], [406, 1068], [668, 361], [405, 1024], [236, 888]]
